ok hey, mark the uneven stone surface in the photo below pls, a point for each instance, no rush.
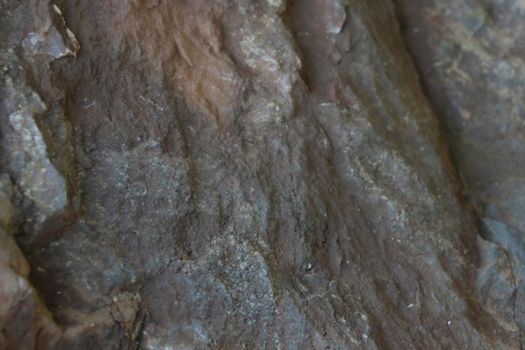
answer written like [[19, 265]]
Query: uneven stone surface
[[24, 321], [259, 174], [471, 58]]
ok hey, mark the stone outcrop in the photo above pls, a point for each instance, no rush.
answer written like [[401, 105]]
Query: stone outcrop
[[261, 174], [470, 56]]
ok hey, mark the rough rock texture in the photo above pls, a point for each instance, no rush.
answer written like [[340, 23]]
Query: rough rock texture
[[261, 174], [471, 58], [24, 321]]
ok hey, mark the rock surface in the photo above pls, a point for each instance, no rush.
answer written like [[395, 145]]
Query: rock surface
[[471, 58], [261, 174]]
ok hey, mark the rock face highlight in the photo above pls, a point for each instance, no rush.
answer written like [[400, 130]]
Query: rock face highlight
[[261, 174]]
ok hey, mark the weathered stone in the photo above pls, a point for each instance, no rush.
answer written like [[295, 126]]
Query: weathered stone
[[233, 174], [470, 55], [24, 321]]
